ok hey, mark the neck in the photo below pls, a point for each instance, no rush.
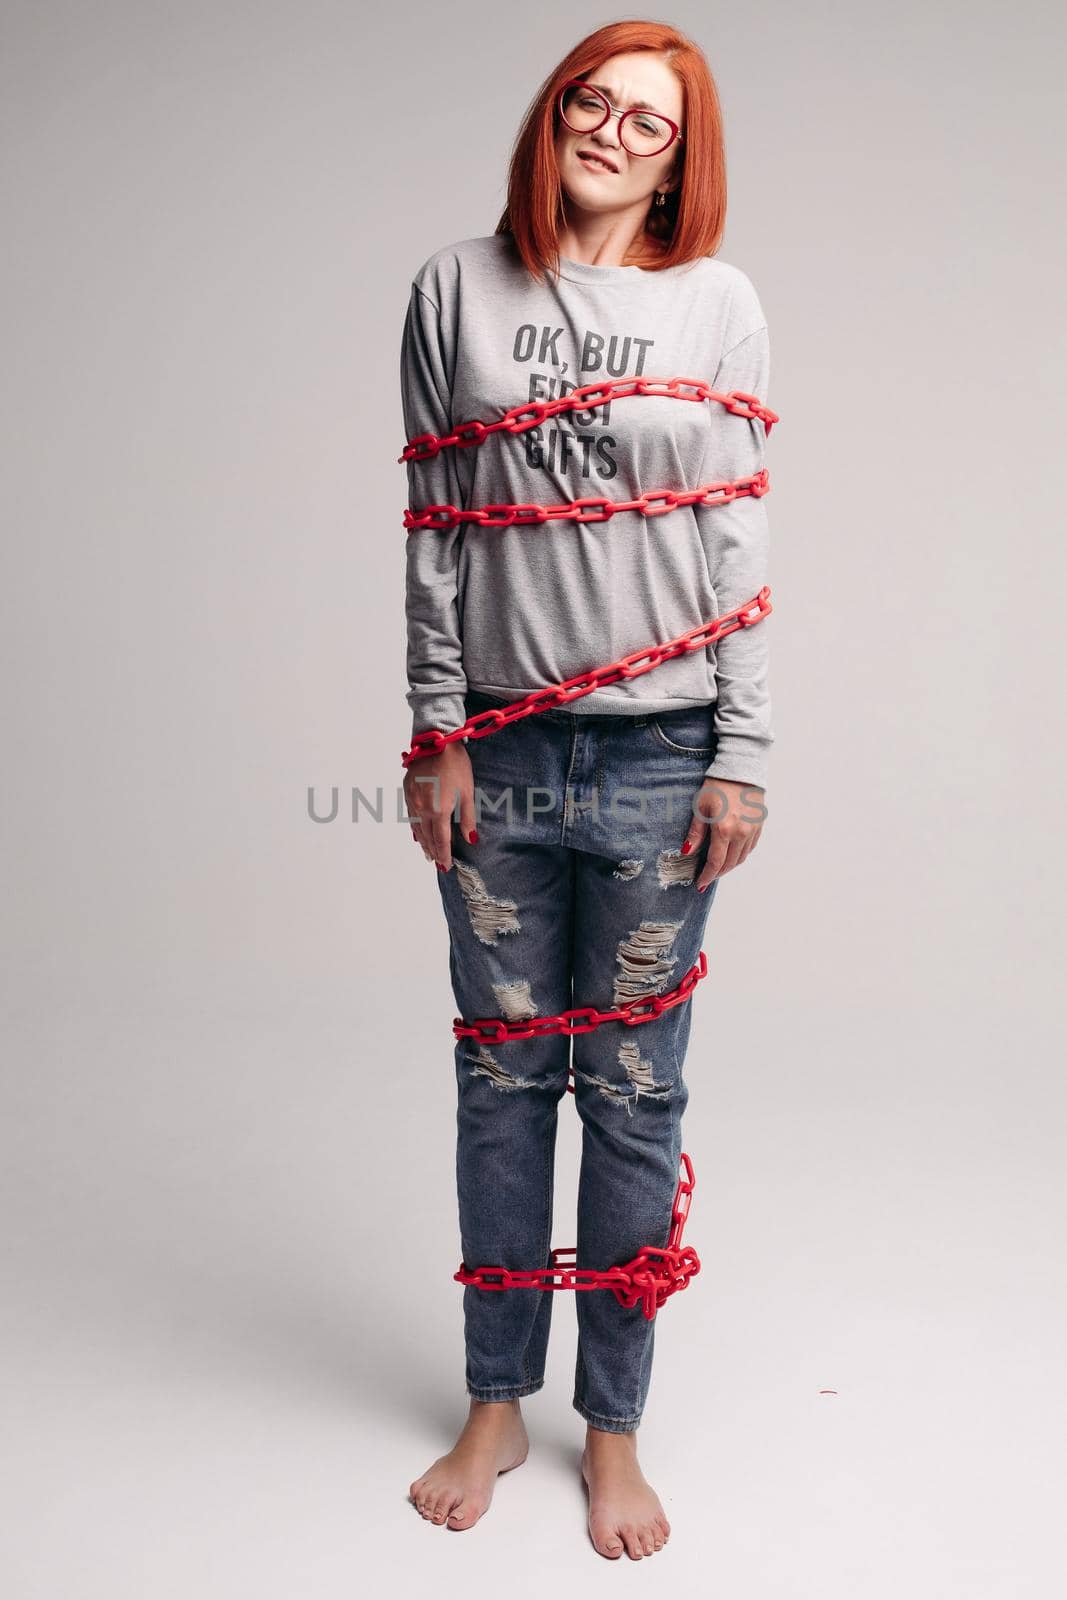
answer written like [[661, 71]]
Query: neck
[[608, 242]]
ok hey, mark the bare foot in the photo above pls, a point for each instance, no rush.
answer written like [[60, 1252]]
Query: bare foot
[[459, 1485], [624, 1509]]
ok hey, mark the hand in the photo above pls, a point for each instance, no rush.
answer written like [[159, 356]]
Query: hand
[[431, 785], [734, 814]]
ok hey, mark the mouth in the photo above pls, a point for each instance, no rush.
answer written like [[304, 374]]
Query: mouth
[[597, 163]]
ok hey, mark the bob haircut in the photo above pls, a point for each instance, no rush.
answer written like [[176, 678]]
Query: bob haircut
[[690, 224]]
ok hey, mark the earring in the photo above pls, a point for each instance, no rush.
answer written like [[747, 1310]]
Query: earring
[[661, 198]]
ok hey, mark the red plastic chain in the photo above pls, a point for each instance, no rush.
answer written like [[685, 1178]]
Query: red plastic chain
[[651, 1277], [492, 1030], [654, 1273], [531, 415], [653, 503], [554, 694]]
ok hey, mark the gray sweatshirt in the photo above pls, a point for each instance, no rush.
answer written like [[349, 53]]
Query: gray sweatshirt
[[509, 610]]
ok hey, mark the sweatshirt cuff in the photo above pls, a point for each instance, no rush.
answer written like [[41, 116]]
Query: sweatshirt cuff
[[740, 759], [444, 709]]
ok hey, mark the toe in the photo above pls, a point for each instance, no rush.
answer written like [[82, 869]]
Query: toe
[[632, 1540], [460, 1515], [606, 1540]]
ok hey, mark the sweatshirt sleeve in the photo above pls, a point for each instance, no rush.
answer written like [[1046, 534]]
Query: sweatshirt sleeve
[[736, 541], [436, 680]]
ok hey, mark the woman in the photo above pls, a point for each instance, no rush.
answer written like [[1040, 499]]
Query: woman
[[580, 847]]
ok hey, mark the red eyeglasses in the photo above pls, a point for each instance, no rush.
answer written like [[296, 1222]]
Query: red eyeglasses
[[641, 132]]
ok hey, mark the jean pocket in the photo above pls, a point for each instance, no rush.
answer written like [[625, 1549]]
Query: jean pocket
[[688, 731]]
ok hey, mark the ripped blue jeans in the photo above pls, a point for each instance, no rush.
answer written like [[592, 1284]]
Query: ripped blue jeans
[[575, 894]]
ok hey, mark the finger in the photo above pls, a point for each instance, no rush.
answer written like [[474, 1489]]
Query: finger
[[717, 852], [425, 801], [419, 832], [750, 844], [467, 816], [695, 837], [442, 841], [733, 856], [705, 811]]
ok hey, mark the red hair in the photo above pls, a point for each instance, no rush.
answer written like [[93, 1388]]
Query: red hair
[[691, 222]]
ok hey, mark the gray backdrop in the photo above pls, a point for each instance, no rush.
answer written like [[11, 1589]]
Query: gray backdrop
[[231, 1334]]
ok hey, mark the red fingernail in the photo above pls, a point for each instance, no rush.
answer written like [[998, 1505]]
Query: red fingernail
[[439, 867], [686, 848], [474, 836]]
